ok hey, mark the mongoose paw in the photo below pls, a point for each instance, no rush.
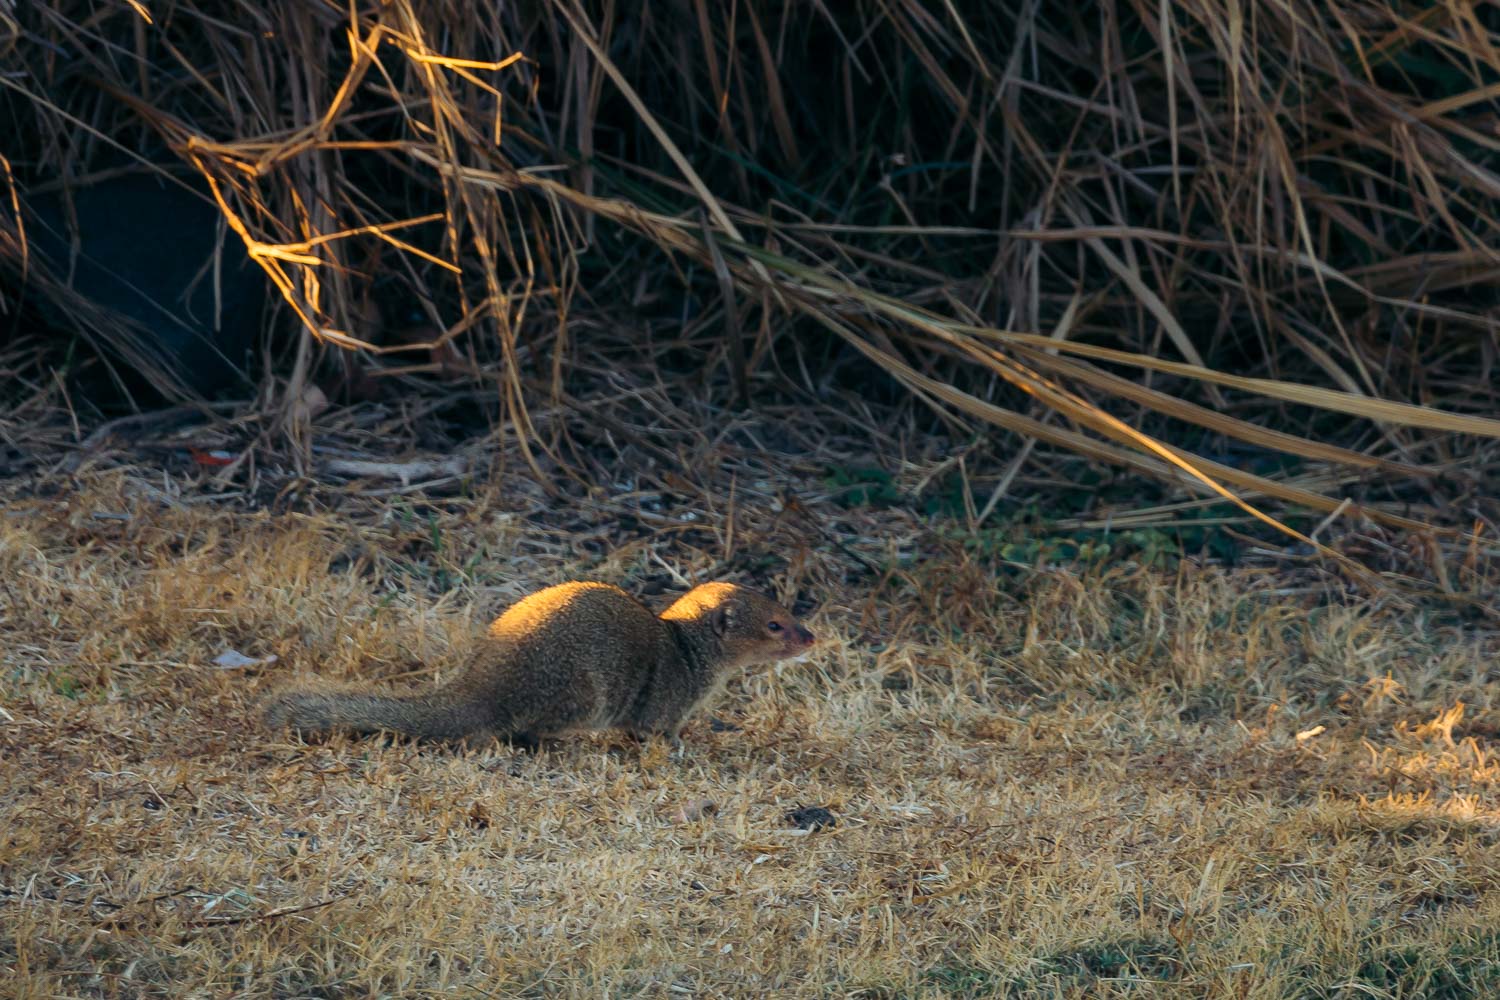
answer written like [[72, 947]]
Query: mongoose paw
[[673, 739], [480, 739]]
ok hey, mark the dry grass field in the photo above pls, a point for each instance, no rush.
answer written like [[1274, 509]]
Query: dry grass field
[[1080, 779]]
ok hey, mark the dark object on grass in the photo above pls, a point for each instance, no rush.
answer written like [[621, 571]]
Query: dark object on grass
[[811, 818]]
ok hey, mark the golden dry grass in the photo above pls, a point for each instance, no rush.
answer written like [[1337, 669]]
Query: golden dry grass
[[1104, 781]]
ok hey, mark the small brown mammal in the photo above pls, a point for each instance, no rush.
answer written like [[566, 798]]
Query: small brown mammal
[[573, 657]]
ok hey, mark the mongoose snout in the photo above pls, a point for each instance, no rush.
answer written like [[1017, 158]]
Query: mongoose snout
[[797, 639], [573, 657]]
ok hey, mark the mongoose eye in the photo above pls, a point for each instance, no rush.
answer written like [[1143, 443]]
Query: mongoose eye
[[774, 626]]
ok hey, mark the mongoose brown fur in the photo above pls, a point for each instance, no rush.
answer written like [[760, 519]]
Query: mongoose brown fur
[[573, 657]]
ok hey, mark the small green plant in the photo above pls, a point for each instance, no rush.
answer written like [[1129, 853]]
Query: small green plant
[[1144, 958], [961, 980], [863, 487], [1470, 967], [67, 685]]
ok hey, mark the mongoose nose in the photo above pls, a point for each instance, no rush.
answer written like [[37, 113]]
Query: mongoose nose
[[804, 636]]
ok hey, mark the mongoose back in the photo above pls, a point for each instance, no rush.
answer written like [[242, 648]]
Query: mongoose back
[[573, 657]]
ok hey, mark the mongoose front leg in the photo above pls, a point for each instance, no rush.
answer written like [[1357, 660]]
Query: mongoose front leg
[[525, 742], [673, 736]]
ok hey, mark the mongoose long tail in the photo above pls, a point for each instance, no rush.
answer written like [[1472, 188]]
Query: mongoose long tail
[[441, 714]]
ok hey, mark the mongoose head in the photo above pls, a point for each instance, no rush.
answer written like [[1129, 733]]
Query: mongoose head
[[749, 627]]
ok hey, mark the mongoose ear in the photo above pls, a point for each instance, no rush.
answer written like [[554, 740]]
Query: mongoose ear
[[723, 617]]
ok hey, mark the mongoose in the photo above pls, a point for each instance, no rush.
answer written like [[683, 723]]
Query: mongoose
[[573, 657]]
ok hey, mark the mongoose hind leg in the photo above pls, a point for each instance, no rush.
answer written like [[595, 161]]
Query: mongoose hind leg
[[485, 739], [479, 739], [562, 705]]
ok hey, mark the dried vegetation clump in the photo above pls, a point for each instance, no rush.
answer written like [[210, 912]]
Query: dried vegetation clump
[[1246, 250], [1064, 779]]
